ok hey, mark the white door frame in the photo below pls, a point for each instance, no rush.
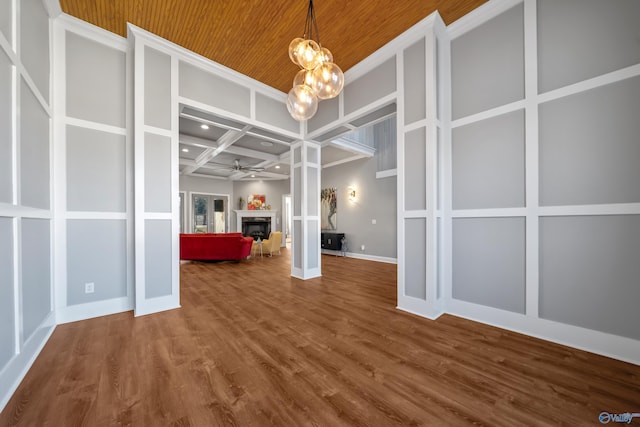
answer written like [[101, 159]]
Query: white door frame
[[285, 216], [227, 213]]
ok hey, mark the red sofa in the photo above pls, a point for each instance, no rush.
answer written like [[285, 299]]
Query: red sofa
[[215, 246]]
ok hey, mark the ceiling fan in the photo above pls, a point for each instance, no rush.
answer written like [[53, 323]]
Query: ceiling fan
[[237, 167]]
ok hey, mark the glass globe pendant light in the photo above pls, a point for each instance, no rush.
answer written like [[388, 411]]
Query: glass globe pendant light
[[295, 49], [302, 102], [327, 80], [319, 77], [304, 77]]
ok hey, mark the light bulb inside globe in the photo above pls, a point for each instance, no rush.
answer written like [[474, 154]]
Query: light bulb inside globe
[[307, 54], [328, 80], [325, 55], [304, 77], [294, 48], [302, 102]]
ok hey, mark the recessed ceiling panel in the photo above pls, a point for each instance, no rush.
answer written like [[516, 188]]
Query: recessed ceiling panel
[[210, 119], [222, 173], [229, 159], [260, 144], [191, 152], [194, 128], [270, 135], [283, 169]]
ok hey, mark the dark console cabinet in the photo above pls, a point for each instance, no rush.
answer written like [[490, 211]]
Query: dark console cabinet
[[331, 240]]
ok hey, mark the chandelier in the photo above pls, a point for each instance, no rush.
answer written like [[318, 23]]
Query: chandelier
[[319, 77]]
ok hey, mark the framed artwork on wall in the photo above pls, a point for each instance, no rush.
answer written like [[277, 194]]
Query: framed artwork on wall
[[328, 209]]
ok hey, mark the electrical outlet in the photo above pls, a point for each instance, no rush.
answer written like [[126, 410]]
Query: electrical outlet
[[89, 288], [373, 221], [362, 248]]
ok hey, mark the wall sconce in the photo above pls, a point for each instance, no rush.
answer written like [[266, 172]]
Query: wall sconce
[[352, 193]]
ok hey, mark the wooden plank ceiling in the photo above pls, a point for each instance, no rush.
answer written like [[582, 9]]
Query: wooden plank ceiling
[[252, 36]]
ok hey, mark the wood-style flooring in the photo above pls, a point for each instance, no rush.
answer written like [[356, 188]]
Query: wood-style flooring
[[252, 346]]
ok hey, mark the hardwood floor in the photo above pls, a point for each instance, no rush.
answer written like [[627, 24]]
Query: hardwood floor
[[253, 347]]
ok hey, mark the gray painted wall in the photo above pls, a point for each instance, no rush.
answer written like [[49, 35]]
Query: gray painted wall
[[7, 314], [488, 262], [28, 232], [206, 185], [414, 82], [96, 78], [157, 173], [376, 199], [373, 85], [488, 159], [589, 272], [36, 274], [34, 43], [415, 256], [34, 151], [96, 172], [602, 146], [198, 84], [157, 258], [588, 155], [6, 149], [612, 35], [6, 25], [487, 65], [96, 253], [157, 88]]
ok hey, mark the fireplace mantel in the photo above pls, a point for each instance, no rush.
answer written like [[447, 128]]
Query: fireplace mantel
[[254, 214]]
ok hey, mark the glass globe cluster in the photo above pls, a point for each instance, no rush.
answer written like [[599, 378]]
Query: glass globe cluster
[[319, 78]]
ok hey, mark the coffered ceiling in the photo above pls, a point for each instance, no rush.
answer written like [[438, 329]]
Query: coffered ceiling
[[252, 36], [215, 147]]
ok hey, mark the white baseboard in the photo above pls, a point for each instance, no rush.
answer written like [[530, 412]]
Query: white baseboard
[[74, 313], [361, 256], [614, 346], [429, 314], [14, 371], [155, 305]]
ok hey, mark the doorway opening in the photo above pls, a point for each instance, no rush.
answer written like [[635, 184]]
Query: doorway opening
[[286, 220]]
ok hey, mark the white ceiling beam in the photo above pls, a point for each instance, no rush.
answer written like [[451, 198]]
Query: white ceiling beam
[[208, 122], [247, 152], [204, 175], [270, 139], [281, 159], [196, 141], [225, 141], [241, 151], [189, 162], [271, 176], [347, 160], [354, 147]]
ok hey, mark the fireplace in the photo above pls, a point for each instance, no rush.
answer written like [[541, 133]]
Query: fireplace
[[256, 227], [256, 223]]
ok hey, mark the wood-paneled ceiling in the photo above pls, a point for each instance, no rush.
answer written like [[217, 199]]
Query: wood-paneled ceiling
[[252, 36]]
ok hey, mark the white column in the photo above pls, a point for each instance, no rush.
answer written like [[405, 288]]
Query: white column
[[420, 214], [305, 195], [156, 175]]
